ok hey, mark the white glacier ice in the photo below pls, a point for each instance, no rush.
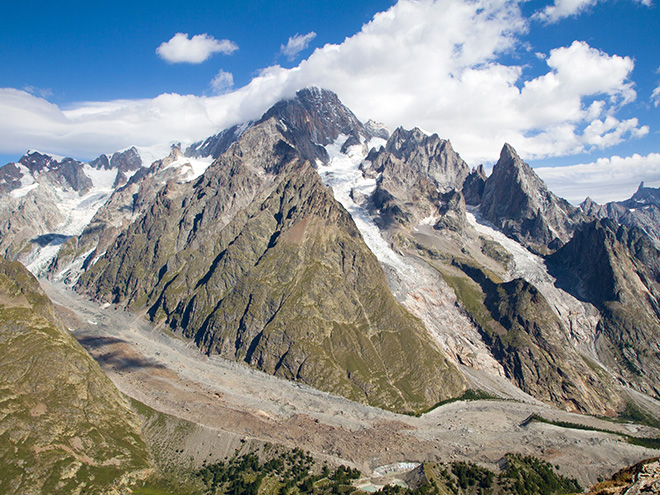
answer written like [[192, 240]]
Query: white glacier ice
[[343, 174], [579, 318]]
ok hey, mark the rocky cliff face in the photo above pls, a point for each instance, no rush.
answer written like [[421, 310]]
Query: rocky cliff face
[[519, 203], [65, 428], [617, 269], [256, 261], [415, 172], [314, 119], [216, 145], [474, 185], [124, 162], [31, 193], [642, 478], [516, 330], [532, 344]]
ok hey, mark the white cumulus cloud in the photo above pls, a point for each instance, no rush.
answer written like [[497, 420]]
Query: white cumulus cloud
[[607, 179], [436, 64], [296, 44], [195, 50], [222, 82]]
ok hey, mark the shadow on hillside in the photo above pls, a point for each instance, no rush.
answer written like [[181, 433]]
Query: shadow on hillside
[[50, 239], [115, 353]]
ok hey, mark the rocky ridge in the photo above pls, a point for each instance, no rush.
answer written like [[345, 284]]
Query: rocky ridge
[[519, 203], [416, 176], [515, 329], [642, 210], [620, 278], [124, 205]]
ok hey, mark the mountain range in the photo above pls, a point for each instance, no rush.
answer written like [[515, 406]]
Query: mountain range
[[369, 264]]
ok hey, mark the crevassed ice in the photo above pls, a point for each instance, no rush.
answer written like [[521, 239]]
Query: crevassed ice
[[343, 174]]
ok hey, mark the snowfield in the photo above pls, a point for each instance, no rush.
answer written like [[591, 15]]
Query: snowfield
[[78, 210]]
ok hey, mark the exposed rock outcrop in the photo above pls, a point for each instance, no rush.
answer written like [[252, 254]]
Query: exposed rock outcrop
[[519, 203], [473, 187], [618, 269], [527, 337], [217, 144], [314, 119], [125, 204], [415, 170], [642, 478]]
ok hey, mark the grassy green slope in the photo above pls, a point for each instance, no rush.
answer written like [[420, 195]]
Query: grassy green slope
[[64, 428]]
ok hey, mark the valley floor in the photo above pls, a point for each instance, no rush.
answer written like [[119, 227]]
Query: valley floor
[[231, 400]]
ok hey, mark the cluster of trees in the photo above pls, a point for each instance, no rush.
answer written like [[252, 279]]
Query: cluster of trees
[[527, 475], [523, 475], [284, 473]]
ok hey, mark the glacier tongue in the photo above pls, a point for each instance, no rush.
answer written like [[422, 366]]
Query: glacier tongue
[[579, 318], [78, 212], [418, 287], [343, 174]]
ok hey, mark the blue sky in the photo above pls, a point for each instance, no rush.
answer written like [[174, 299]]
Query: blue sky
[[106, 50], [570, 85]]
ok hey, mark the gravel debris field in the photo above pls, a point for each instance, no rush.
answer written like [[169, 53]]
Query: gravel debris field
[[172, 376]]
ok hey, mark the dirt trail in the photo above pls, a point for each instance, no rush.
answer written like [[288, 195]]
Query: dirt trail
[[170, 375]]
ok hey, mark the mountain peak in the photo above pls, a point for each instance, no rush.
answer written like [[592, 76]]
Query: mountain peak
[[313, 114], [36, 161], [643, 196], [313, 119], [317, 95], [508, 153], [517, 200]]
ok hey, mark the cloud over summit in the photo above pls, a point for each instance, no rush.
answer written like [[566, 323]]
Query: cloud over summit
[[296, 44], [443, 65]]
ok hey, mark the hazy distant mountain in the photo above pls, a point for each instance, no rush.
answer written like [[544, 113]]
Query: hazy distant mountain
[[641, 210]]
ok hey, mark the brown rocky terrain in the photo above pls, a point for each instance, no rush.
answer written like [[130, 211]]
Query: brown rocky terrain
[[233, 403]]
